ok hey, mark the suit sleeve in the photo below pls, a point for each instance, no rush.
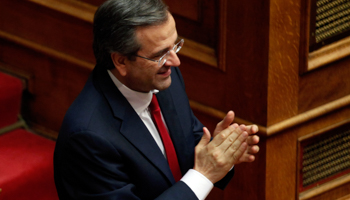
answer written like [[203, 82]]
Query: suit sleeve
[[106, 178]]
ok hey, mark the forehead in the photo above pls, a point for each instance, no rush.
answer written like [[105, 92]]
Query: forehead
[[157, 37]]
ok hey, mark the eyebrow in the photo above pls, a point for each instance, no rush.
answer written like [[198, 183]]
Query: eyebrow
[[163, 51]]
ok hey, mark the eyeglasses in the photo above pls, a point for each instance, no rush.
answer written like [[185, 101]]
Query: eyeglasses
[[177, 47]]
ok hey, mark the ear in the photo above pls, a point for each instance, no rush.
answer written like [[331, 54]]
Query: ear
[[119, 63]]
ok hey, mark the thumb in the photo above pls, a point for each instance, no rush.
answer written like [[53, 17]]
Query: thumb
[[226, 122], [205, 138], [230, 116]]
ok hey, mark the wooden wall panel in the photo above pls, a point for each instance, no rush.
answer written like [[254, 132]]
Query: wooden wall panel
[[247, 59], [205, 29], [189, 9], [325, 84], [47, 27]]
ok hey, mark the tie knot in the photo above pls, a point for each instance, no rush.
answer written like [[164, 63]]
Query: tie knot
[[154, 106]]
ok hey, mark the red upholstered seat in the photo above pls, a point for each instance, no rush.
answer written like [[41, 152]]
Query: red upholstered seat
[[26, 169], [26, 159]]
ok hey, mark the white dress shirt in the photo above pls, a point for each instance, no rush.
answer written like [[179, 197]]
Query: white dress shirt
[[198, 183]]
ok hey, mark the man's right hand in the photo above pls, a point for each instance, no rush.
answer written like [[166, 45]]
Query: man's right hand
[[215, 158]]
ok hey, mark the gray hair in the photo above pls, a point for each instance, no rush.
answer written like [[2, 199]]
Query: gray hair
[[115, 24]]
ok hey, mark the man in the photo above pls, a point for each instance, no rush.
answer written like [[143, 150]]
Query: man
[[111, 146]]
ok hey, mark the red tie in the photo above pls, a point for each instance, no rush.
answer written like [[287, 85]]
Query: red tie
[[168, 144]]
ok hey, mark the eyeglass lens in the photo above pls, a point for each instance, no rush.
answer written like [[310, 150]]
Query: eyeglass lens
[[176, 49]]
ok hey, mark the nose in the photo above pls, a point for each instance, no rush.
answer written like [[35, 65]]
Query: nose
[[173, 60]]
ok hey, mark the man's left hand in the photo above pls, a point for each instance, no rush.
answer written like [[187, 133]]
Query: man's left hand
[[252, 140]]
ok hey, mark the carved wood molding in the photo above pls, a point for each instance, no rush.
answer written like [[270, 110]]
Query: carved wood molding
[[283, 125], [210, 111], [46, 50], [347, 197], [78, 9], [199, 52], [324, 187], [328, 54]]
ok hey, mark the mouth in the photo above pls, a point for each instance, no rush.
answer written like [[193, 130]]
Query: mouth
[[164, 72]]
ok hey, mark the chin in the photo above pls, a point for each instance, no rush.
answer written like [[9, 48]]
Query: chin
[[164, 85]]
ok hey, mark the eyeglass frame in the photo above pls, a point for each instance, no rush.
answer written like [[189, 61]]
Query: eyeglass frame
[[177, 46]]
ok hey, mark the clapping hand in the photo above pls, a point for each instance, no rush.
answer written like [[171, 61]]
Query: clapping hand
[[231, 144]]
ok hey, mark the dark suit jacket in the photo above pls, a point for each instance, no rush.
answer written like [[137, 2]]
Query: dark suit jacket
[[104, 151]]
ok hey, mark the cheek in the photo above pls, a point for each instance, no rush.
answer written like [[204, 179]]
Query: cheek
[[143, 74], [148, 72]]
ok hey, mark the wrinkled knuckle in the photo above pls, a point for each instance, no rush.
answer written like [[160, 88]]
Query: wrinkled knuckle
[[216, 155], [232, 128], [233, 150], [222, 135], [231, 140], [221, 163], [244, 135]]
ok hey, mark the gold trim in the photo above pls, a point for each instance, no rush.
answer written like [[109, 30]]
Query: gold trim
[[46, 50], [278, 127], [324, 187], [329, 53], [347, 197], [199, 52], [309, 115], [324, 130], [210, 111], [78, 9]]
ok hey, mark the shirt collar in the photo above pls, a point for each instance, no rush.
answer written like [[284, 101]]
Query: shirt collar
[[138, 100]]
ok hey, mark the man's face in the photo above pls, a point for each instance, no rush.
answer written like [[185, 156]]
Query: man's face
[[145, 75]]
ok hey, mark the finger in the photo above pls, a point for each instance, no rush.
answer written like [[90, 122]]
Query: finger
[[205, 138], [246, 158], [228, 119], [235, 125], [230, 116], [235, 141], [253, 149], [243, 127], [239, 153], [223, 135], [253, 139], [252, 129]]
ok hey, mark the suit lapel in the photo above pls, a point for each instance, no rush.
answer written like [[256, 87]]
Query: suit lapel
[[176, 132], [137, 133], [132, 128]]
